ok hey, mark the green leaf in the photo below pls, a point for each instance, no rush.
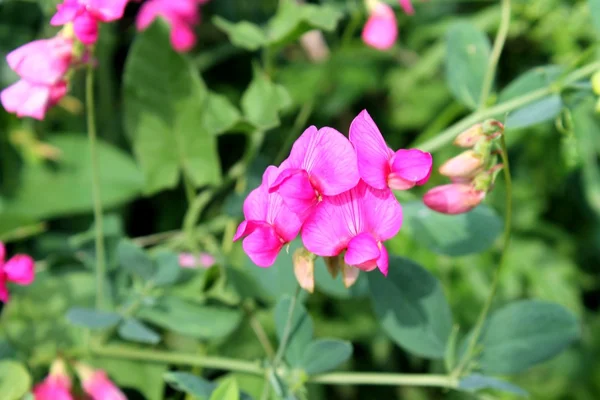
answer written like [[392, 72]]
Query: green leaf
[[134, 330], [453, 235], [595, 13], [242, 34], [300, 331], [92, 319], [467, 53], [324, 355], [476, 382], [587, 129], [189, 383], [65, 189], [534, 79], [190, 319], [14, 380], [133, 259], [168, 269], [220, 115], [525, 333], [535, 113], [166, 107], [412, 308], [263, 100], [226, 390], [143, 376]]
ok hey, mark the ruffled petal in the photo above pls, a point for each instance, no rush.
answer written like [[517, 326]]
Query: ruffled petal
[[108, 10], [363, 252], [326, 232], [66, 12], [263, 246], [381, 29], [296, 190], [383, 261], [246, 228], [412, 165], [20, 269], [183, 37], [373, 154], [85, 27], [300, 148], [382, 214]]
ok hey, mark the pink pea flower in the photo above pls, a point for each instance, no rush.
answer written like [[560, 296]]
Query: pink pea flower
[[97, 385], [189, 260], [269, 224], [43, 61], [381, 29], [182, 16], [379, 166], [407, 7], [28, 99], [19, 269], [453, 198], [358, 221], [56, 386], [86, 15], [322, 163]]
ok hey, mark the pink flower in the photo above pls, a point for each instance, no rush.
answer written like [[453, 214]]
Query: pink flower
[[56, 386], [19, 269], [407, 7], [358, 221], [322, 162], [28, 99], [189, 260], [97, 385], [381, 29], [86, 15], [379, 166], [269, 223], [464, 166], [43, 61], [454, 198], [182, 15]]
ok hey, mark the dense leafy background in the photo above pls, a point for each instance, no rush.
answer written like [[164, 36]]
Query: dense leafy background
[[217, 116]]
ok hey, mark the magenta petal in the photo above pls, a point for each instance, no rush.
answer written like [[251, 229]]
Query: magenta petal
[[26, 99], [85, 27], [300, 147], [412, 165], [4, 295], [246, 228], [262, 246], [383, 261], [66, 12], [382, 213], [107, 10], [295, 189], [42, 61], [363, 252], [407, 7], [326, 232], [183, 37], [381, 29], [373, 154], [2, 254], [20, 269]]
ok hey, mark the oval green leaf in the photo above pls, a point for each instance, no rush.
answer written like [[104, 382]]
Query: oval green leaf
[[136, 331], [300, 329], [92, 319], [14, 380], [324, 355]]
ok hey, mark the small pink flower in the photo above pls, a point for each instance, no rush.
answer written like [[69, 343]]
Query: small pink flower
[[269, 223], [189, 260], [407, 7], [56, 386], [86, 15], [357, 221], [464, 166], [379, 166], [454, 198], [381, 29], [322, 162], [43, 61], [182, 15], [97, 385], [19, 269], [28, 99]]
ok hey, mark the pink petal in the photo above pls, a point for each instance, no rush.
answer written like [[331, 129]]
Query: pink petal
[[66, 12], [26, 99], [263, 246], [382, 214], [52, 389], [407, 7], [20, 269], [381, 29], [42, 61], [2, 254], [247, 227], [148, 13], [454, 198], [99, 387], [372, 152], [107, 10], [383, 261], [296, 190], [183, 37], [362, 252], [57, 92], [85, 27], [4, 295], [326, 232], [409, 167], [300, 148]]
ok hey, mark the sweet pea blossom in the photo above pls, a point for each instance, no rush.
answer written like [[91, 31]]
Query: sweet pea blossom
[[56, 386], [26, 99], [453, 198], [269, 224], [19, 269], [86, 16], [97, 385], [322, 163], [381, 29], [357, 221], [182, 16], [43, 61], [380, 166]]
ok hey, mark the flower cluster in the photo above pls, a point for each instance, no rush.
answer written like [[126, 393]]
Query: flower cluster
[[472, 172], [95, 383], [19, 269], [381, 29], [335, 192]]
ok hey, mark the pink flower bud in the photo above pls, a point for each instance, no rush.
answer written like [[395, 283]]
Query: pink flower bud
[[465, 165], [19, 269], [349, 275], [56, 386], [381, 29], [203, 260], [454, 198], [470, 137], [97, 385], [304, 269]]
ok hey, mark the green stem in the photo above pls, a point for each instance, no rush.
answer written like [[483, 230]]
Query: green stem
[[506, 241], [96, 194], [450, 133], [359, 378], [190, 192], [287, 330], [490, 73]]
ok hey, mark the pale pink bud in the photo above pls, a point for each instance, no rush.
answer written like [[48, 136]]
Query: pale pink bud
[[349, 274], [454, 198], [97, 385], [203, 260], [304, 269], [333, 264], [465, 165], [56, 386], [470, 137], [381, 29]]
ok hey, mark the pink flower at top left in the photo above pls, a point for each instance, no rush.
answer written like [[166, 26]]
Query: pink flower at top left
[[19, 269]]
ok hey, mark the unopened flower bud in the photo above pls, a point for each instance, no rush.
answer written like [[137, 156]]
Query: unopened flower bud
[[492, 128], [304, 269], [349, 274], [470, 137], [56, 386], [464, 165], [97, 385], [454, 198], [333, 264]]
